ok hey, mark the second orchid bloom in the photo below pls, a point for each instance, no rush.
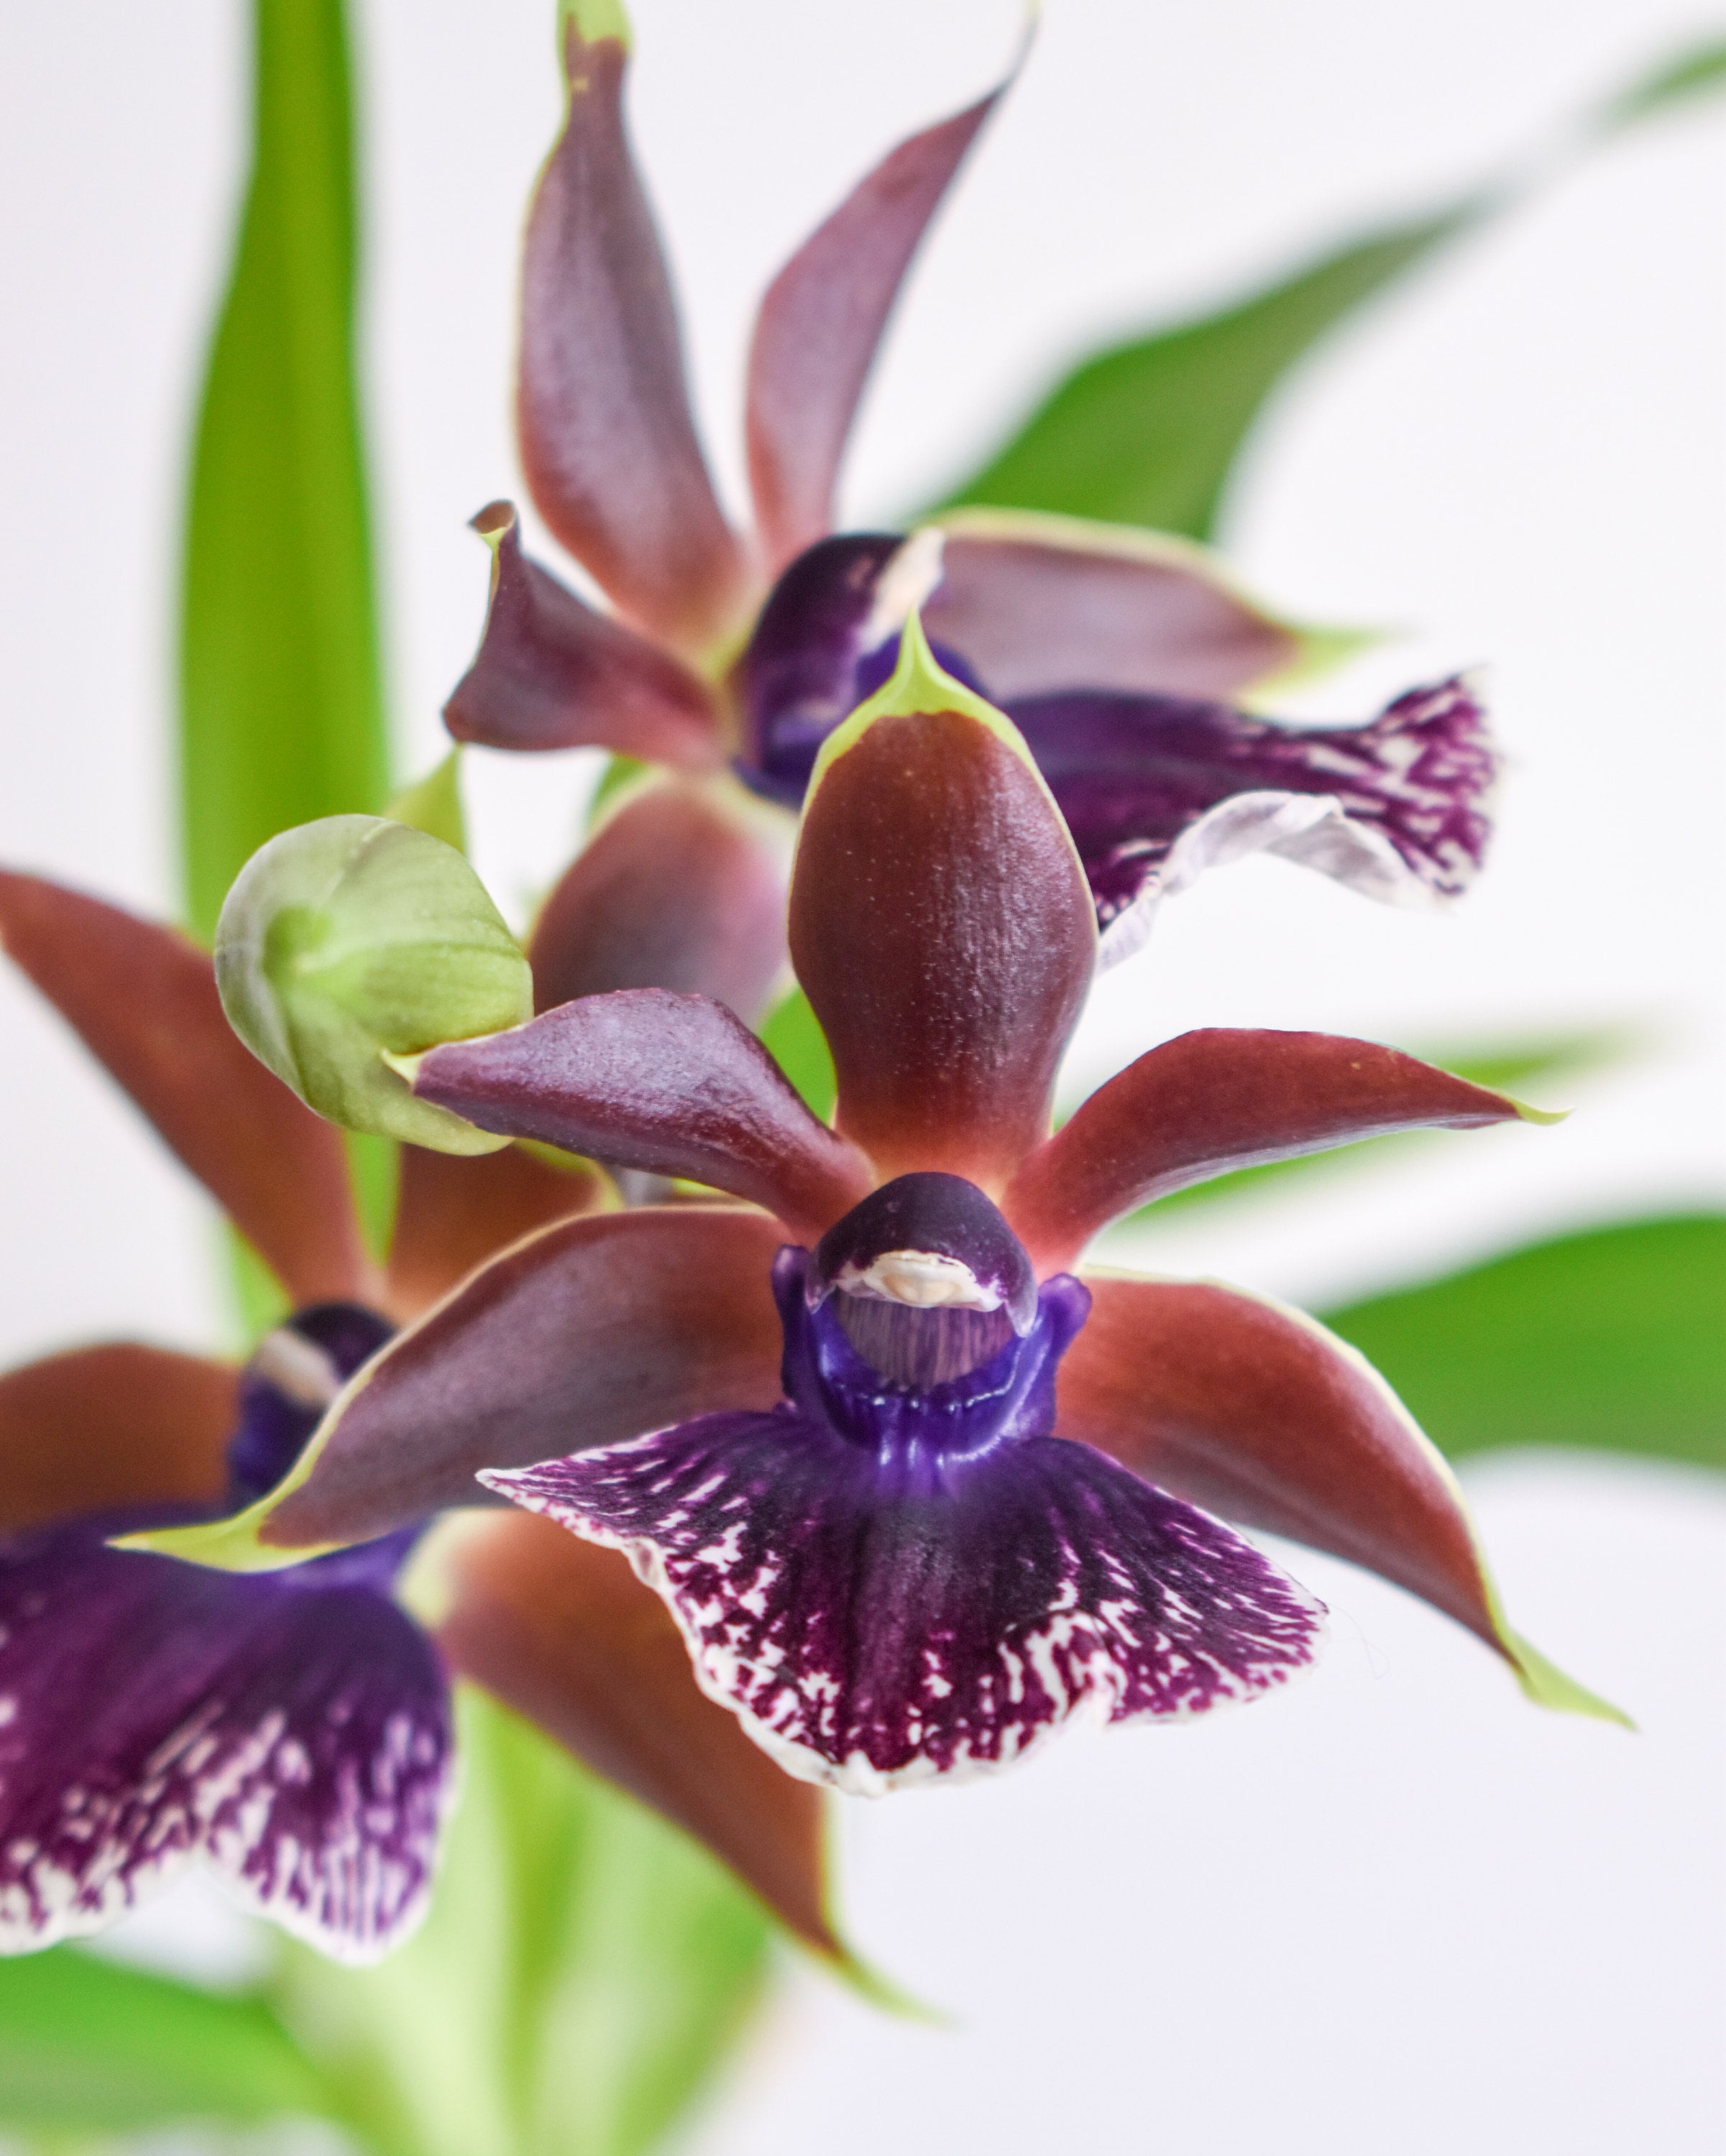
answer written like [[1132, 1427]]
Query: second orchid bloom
[[1120, 654]]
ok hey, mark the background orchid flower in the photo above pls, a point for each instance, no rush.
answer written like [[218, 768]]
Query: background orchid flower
[[1119, 654], [123, 1435], [827, 1425], [294, 1730]]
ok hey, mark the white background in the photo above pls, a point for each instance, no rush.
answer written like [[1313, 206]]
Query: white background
[[1396, 1908]]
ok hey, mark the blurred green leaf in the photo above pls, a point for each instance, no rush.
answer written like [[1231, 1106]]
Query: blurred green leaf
[[1614, 1338], [432, 803], [281, 703], [582, 1970], [1147, 431], [1697, 73], [1504, 1068], [257, 1298], [374, 1164], [89, 2047], [793, 1036], [619, 772]]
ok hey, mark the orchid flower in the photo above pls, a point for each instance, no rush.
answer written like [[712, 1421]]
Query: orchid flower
[[1119, 654], [292, 1730], [916, 1486]]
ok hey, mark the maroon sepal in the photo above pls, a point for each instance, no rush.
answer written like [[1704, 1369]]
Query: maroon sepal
[[943, 932], [143, 1000], [607, 441], [821, 321], [593, 1330], [679, 889], [1224, 1098], [456, 1210], [1257, 1412], [552, 672], [675, 1084], [104, 1429]]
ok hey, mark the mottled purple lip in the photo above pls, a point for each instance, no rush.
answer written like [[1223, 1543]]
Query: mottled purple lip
[[901, 1570]]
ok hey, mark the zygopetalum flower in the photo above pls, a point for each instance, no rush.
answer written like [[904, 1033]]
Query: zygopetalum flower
[[292, 1728], [916, 1491], [1120, 654]]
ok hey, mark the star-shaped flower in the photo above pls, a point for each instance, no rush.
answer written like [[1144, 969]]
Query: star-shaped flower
[[291, 1729], [915, 1492], [1120, 654]]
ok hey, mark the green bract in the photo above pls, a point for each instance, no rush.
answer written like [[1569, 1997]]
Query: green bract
[[351, 939]]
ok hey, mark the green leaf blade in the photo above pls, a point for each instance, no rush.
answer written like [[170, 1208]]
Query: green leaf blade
[[1697, 72], [1611, 1339], [792, 1035], [1147, 432], [87, 2045], [282, 694]]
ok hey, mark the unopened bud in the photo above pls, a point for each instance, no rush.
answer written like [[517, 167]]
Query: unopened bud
[[351, 939]]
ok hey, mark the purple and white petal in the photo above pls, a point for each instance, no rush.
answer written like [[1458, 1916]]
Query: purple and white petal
[[293, 1730], [881, 1618], [1157, 789]]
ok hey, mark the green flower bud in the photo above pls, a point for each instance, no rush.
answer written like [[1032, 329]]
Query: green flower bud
[[352, 939]]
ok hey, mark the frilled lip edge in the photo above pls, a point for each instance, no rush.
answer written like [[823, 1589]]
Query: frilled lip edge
[[857, 1778], [1314, 830], [1089, 1703]]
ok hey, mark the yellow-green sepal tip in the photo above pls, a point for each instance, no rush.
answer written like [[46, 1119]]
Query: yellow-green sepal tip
[[432, 804], [919, 687], [1546, 1685], [231, 1545], [1543, 1681], [593, 20]]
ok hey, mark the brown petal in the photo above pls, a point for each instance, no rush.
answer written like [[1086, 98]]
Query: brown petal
[[1256, 1412], [552, 672], [820, 323], [564, 1632], [608, 442], [673, 1085], [101, 1429], [682, 889], [456, 1210], [1224, 1098], [592, 1331], [143, 1000], [943, 930], [1038, 604]]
